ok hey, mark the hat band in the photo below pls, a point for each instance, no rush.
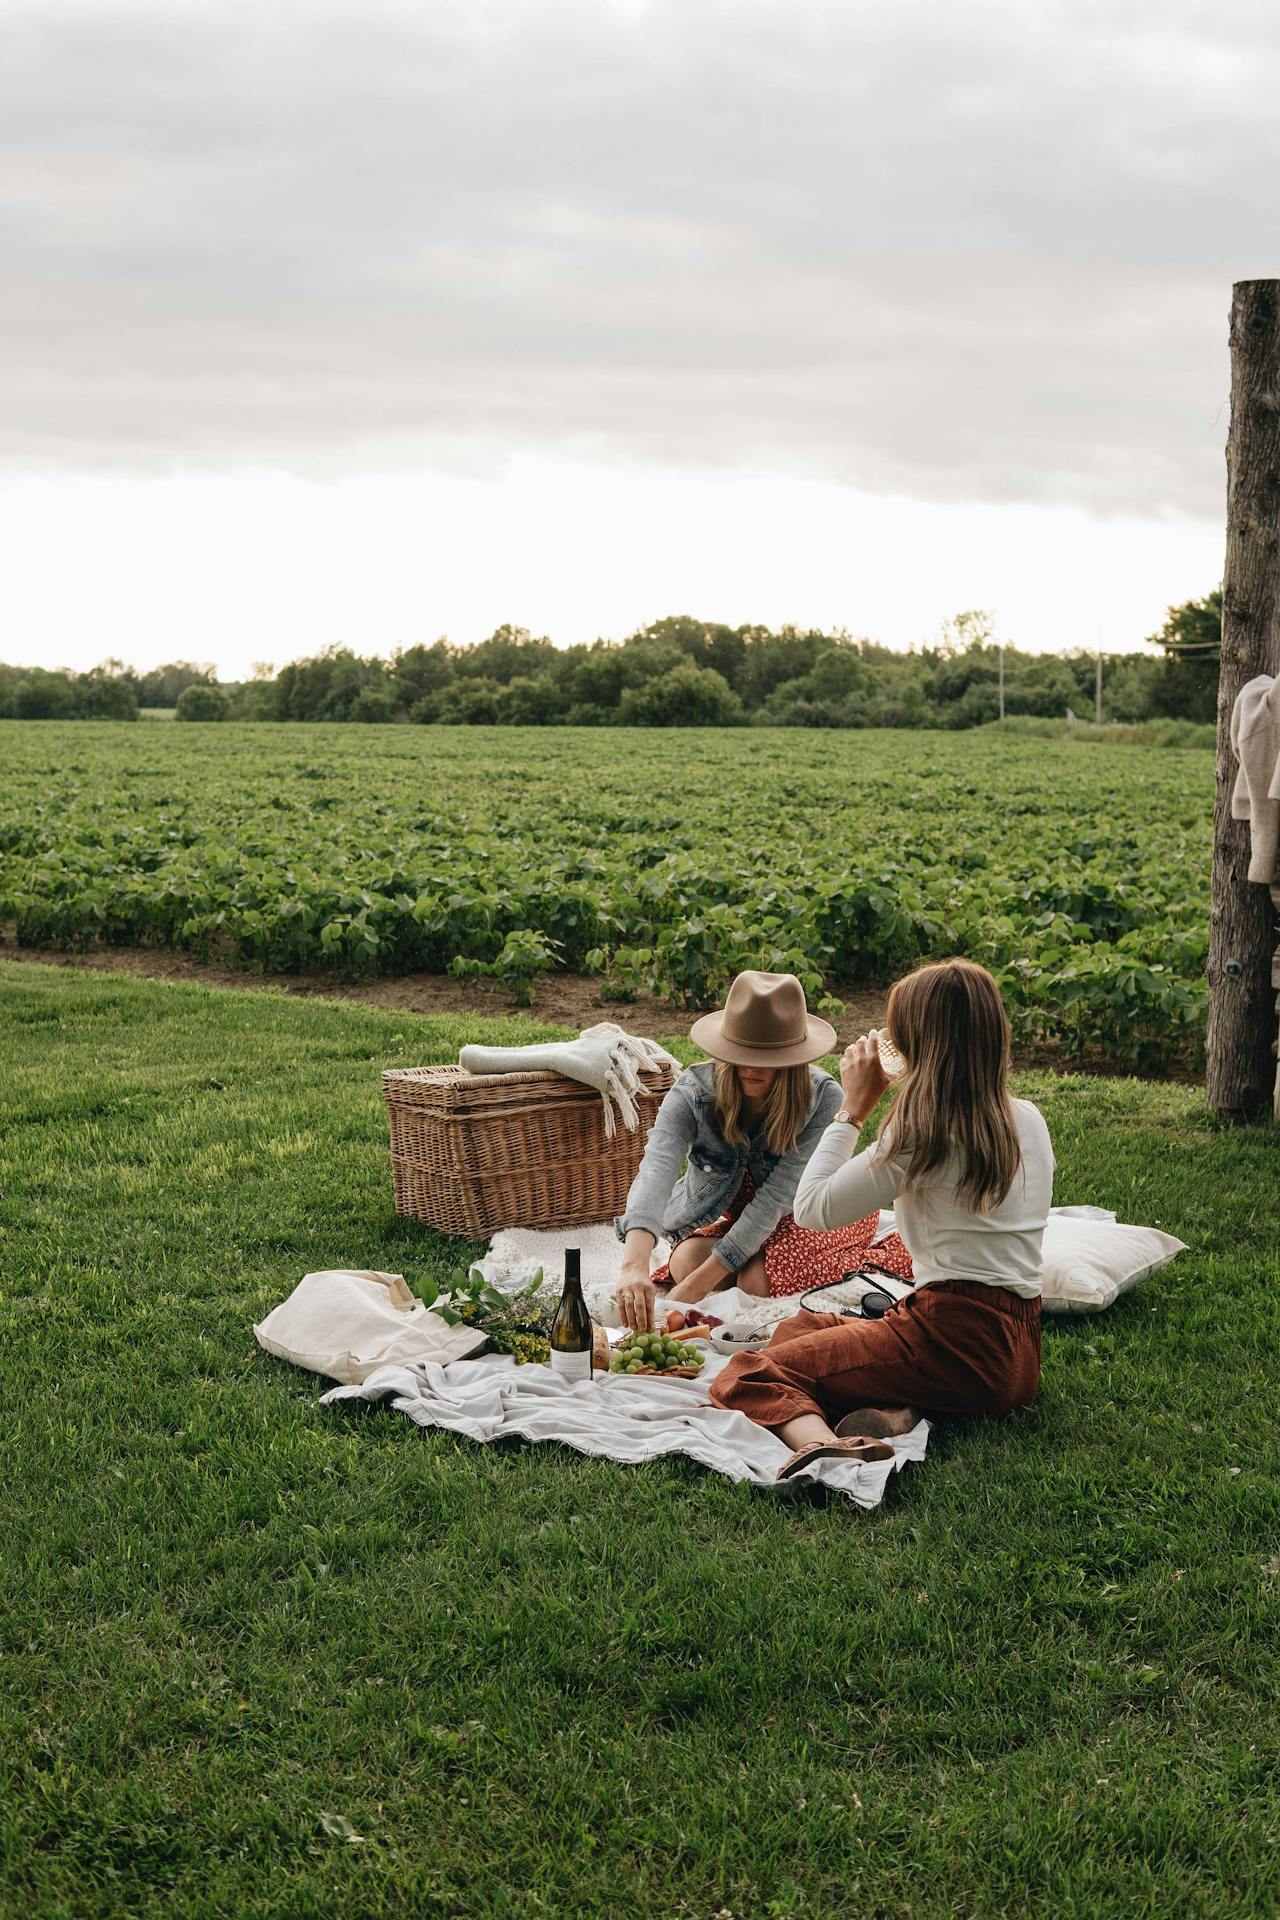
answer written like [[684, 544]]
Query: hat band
[[746, 1040]]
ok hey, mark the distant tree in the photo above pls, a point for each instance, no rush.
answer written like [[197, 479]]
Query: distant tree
[[1190, 638], [533, 702], [162, 686], [327, 686], [836, 692], [200, 701], [419, 671], [108, 696], [687, 696], [508, 654], [770, 660], [1130, 687], [468, 703], [964, 631], [374, 704], [708, 643], [43, 695]]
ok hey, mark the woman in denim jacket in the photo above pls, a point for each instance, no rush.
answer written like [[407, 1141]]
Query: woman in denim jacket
[[725, 1156]]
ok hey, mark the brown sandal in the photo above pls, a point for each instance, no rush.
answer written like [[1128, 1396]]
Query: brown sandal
[[878, 1423], [850, 1448]]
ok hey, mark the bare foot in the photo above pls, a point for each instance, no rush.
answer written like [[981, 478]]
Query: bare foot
[[878, 1423]]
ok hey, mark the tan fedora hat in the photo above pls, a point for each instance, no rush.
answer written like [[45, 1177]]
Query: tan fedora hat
[[764, 1023]]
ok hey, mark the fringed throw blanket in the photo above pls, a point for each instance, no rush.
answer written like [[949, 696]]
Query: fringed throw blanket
[[604, 1057]]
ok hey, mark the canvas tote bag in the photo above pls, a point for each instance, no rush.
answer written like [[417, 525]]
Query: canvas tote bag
[[348, 1321]]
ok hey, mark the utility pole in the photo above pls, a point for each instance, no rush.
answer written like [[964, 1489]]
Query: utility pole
[[1002, 679], [1242, 1018], [1097, 690]]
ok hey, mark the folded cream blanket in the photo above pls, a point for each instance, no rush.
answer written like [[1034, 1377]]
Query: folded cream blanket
[[604, 1057]]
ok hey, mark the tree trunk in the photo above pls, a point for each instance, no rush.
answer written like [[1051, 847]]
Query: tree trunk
[[1242, 1020]]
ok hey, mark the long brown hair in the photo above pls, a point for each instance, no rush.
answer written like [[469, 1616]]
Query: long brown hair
[[786, 1106], [949, 1024]]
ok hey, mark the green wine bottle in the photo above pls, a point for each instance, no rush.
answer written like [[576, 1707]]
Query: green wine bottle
[[571, 1336]]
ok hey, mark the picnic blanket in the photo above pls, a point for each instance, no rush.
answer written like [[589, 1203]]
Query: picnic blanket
[[516, 1253], [630, 1420]]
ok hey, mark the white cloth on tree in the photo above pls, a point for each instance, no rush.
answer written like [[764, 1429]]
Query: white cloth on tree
[[1255, 740], [604, 1057]]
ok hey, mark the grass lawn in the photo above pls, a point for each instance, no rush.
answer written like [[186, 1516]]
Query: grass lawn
[[265, 1658]]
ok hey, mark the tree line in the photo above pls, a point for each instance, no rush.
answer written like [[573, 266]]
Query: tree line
[[677, 672]]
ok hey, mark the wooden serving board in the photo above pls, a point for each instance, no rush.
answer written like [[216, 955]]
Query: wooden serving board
[[663, 1373]]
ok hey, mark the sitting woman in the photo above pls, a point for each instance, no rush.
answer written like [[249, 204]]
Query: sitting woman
[[746, 1123], [970, 1173]]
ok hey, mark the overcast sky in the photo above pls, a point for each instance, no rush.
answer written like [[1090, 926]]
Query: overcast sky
[[365, 322]]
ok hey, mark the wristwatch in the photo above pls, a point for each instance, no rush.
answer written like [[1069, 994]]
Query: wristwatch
[[844, 1119]]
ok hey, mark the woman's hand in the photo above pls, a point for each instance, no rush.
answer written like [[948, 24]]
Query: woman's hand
[[635, 1294], [862, 1077], [635, 1291]]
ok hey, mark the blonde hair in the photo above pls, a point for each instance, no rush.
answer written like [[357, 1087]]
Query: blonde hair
[[948, 1022], [786, 1105]]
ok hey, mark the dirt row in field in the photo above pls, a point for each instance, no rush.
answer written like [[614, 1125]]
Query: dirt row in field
[[562, 999]]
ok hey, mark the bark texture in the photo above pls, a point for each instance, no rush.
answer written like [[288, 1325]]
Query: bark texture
[[1242, 1018]]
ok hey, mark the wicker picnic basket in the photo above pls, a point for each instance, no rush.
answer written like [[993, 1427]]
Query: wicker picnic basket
[[473, 1152]]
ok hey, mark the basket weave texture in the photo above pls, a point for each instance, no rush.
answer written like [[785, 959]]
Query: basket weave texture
[[474, 1152]]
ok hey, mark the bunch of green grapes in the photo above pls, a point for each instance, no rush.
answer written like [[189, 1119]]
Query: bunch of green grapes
[[660, 1350]]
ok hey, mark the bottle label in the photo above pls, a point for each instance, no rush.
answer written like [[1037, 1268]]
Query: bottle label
[[570, 1366]]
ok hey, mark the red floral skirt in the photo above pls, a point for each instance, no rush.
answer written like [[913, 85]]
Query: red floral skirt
[[798, 1258]]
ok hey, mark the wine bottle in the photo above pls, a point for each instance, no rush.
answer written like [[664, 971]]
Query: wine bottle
[[571, 1335]]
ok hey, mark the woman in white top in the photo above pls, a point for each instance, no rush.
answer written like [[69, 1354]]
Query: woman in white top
[[969, 1172]]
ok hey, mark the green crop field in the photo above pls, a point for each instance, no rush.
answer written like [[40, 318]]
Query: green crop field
[[665, 860]]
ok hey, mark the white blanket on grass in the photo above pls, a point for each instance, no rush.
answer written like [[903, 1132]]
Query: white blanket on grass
[[630, 1420], [516, 1253]]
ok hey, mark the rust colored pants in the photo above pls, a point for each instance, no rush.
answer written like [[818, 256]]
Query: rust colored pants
[[953, 1347]]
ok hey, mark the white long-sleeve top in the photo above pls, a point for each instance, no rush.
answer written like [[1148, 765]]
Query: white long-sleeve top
[[946, 1240]]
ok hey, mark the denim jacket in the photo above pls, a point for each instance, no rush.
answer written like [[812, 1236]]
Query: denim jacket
[[665, 1200]]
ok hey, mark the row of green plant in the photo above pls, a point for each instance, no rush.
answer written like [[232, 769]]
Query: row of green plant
[[1082, 880], [678, 672]]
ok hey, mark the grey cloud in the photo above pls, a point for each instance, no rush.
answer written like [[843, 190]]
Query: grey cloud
[[982, 256]]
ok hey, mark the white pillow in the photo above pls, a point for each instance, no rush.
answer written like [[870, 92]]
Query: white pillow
[[348, 1322], [1089, 1258]]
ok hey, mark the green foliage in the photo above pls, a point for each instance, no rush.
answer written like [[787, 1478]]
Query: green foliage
[[1080, 876], [200, 701], [679, 672], [526, 954], [687, 696], [164, 686], [516, 1323], [1191, 637], [34, 693]]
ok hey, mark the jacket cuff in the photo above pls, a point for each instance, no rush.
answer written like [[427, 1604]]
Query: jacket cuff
[[623, 1223], [729, 1253]]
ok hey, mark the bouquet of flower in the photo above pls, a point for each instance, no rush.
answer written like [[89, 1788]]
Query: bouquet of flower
[[514, 1323]]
